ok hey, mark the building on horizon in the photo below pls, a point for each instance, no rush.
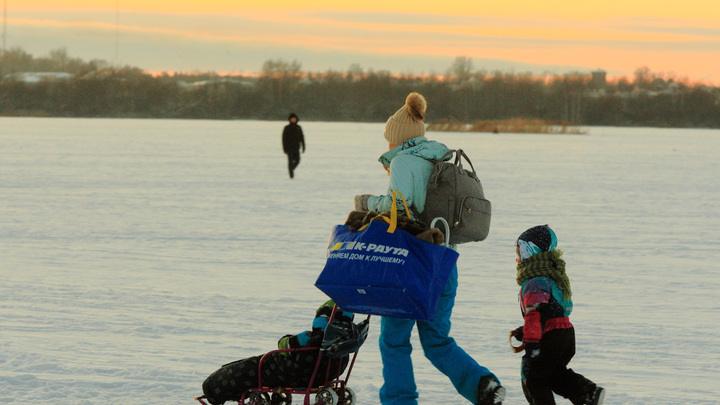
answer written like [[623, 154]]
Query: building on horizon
[[599, 79]]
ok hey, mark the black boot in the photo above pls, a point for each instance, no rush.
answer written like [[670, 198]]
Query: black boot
[[595, 396], [490, 392]]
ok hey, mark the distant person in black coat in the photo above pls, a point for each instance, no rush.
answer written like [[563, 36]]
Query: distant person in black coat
[[292, 140]]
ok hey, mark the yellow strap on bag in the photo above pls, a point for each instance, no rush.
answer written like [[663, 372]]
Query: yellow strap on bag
[[393, 214]]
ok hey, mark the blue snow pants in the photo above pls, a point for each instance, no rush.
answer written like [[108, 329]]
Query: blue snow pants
[[443, 352]]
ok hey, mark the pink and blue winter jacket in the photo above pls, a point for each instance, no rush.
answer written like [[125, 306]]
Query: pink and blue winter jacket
[[543, 308]]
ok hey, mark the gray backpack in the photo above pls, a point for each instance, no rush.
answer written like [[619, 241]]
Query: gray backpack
[[456, 194]]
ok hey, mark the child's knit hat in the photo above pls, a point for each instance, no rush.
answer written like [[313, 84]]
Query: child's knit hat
[[540, 238], [407, 122]]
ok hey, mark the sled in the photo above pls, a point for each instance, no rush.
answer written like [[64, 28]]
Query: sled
[[332, 391]]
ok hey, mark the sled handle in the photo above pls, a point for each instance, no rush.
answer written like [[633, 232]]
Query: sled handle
[[447, 228]]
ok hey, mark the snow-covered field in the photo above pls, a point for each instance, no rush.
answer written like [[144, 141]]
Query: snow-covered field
[[137, 256]]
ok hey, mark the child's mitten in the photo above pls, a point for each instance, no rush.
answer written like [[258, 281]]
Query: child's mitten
[[518, 334]]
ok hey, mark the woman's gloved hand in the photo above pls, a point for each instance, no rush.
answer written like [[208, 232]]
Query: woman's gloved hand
[[361, 201]]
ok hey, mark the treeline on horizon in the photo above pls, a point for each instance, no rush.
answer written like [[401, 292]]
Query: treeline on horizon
[[463, 94]]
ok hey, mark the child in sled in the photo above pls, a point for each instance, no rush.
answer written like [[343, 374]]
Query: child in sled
[[281, 369], [548, 336]]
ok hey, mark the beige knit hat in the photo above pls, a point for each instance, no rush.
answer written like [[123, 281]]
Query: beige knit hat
[[407, 122]]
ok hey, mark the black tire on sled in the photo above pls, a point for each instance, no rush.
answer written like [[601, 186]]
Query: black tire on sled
[[279, 398], [258, 398], [326, 396], [349, 398]]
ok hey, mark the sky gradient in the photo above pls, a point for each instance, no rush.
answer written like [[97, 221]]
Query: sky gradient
[[671, 38]]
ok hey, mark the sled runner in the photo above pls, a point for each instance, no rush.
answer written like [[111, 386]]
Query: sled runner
[[339, 348]]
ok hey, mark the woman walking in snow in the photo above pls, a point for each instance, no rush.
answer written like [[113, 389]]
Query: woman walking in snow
[[409, 164]]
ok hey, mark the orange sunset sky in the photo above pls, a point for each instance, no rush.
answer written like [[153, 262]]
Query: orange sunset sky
[[679, 39]]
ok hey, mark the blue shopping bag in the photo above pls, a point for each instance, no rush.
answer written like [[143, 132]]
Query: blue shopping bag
[[382, 270]]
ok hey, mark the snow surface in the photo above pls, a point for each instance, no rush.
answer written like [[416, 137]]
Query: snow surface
[[138, 256]]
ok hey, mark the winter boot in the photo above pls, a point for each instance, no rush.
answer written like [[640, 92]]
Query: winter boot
[[490, 392], [595, 396]]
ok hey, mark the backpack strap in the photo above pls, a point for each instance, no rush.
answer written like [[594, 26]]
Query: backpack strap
[[458, 162], [447, 156]]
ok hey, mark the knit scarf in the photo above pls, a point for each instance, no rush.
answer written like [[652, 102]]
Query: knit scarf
[[548, 264]]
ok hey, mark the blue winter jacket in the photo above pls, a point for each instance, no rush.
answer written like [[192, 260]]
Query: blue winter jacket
[[410, 170]]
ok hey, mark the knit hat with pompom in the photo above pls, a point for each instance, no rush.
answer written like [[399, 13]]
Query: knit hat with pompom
[[407, 122]]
